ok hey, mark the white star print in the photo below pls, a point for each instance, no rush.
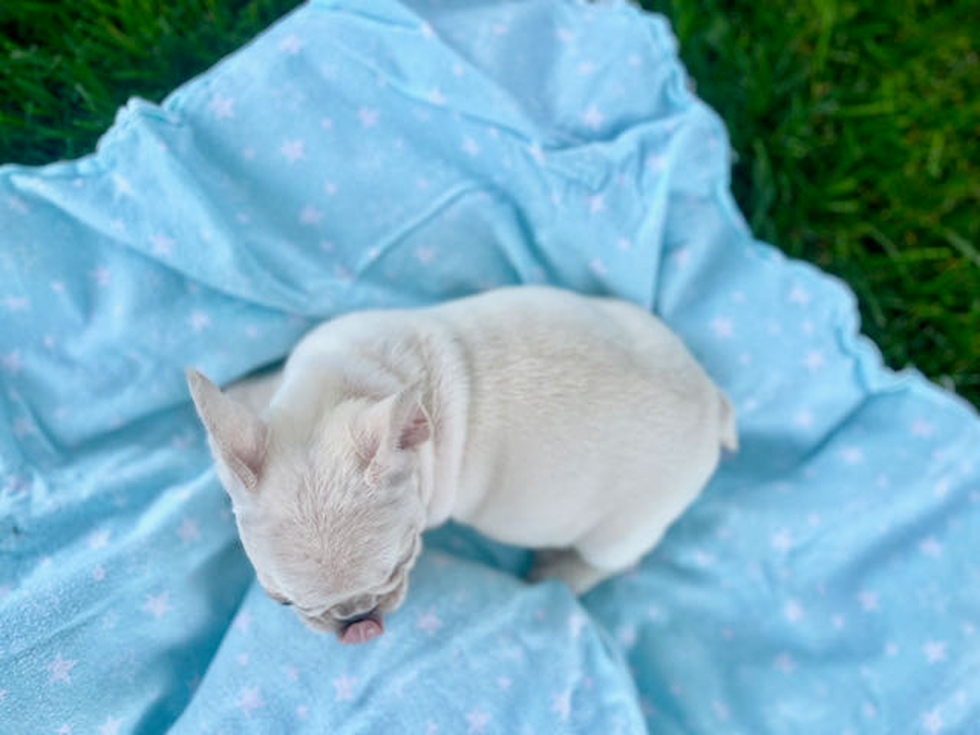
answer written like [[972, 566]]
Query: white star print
[[222, 107], [814, 360], [803, 419], [11, 362], [503, 682], [932, 721], [478, 721], [598, 267], [562, 705], [921, 428], [655, 162], [65, 729], [626, 636], [292, 149], [198, 321], [162, 245], [586, 67], [891, 649], [930, 547], [16, 303], [98, 539], [291, 45], [427, 31], [868, 600], [17, 204], [101, 276], [934, 651], [798, 296], [721, 710], [243, 659], [98, 574], [469, 146], [595, 203], [301, 711], [122, 185], [368, 116], [781, 540], [157, 605], [536, 153], [941, 488], [60, 669], [852, 455], [23, 426], [681, 256], [703, 559], [111, 726], [425, 254], [345, 687], [330, 188], [436, 97], [593, 118], [784, 663], [188, 531], [721, 326], [292, 673], [310, 215], [428, 622], [564, 35], [249, 699], [243, 621], [793, 611]]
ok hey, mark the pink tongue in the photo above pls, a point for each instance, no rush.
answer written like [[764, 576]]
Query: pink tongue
[[361, 631]]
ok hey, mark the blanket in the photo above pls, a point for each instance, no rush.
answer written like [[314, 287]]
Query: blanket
[[399, 153]]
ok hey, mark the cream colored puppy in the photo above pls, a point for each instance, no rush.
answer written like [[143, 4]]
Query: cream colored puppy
[[578, 426]]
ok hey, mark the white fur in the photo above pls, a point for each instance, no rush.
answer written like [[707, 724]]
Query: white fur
[[579, 426]]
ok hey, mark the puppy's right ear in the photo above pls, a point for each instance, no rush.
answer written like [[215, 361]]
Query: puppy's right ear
[[237, 436]]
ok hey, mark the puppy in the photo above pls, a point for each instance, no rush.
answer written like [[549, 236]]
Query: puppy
[[578, 426]]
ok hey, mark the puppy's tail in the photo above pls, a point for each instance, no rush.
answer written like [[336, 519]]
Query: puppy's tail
[[728, 423]]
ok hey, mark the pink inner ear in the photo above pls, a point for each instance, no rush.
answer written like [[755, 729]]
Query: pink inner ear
[[415, 432]]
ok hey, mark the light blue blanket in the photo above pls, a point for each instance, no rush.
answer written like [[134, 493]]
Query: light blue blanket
[[382, 153]]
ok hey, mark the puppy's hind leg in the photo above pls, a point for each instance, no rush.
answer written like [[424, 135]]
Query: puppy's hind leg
[[568, 566]]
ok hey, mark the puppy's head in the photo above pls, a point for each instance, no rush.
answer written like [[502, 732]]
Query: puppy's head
[[331, 521]]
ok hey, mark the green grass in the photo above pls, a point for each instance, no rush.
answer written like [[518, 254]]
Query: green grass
[[857, 128]]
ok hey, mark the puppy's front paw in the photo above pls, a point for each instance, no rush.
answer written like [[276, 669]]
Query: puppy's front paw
[[568, 566]]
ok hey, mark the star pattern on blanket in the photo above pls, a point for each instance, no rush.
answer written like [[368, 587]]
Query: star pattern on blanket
[[60, 669], [157, 605]]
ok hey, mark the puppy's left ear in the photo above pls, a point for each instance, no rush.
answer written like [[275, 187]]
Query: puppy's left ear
[[238, 437], [391, 429]]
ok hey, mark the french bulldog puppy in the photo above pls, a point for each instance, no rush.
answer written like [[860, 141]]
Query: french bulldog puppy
[[578, 426]]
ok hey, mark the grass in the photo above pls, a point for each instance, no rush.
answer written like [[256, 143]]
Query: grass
[[857, 129], [856, 124]]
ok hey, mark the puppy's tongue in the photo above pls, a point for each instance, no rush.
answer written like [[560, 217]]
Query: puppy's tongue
[[361, 631]]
